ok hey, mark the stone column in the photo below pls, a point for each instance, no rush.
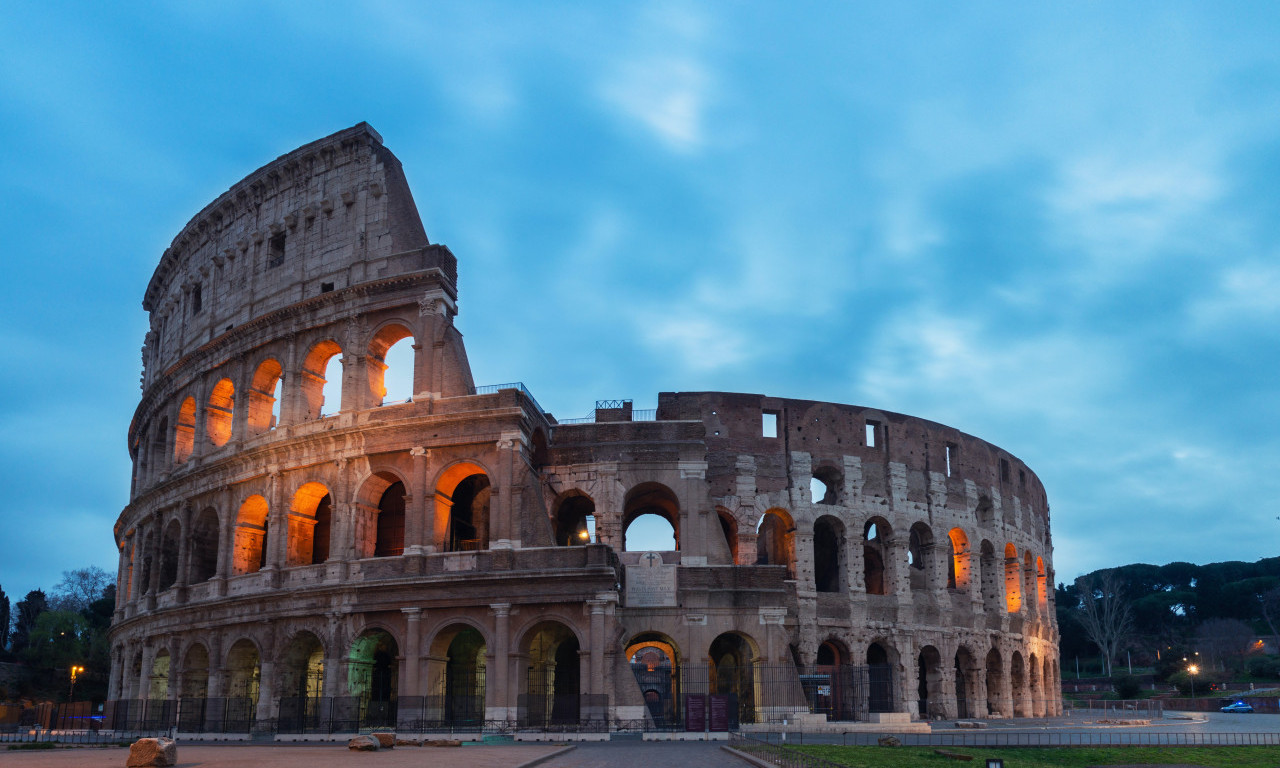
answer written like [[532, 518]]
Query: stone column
[[333, 655], [144, 674], [228, 518], [497, 682], [290, 385], [504, 509], [420, 517], [596, 662], [277, 524], [411, 684], [184, 552]]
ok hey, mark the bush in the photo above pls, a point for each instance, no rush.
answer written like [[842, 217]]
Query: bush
[[1265, 667], [1203, 683], [1127, 686]]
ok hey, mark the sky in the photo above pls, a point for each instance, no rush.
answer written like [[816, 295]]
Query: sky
[[1055, 226]]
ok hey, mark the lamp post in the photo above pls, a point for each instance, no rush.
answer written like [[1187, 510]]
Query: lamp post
[[75, 672], [1192, 670]]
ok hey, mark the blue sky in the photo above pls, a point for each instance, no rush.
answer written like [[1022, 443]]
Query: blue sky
[[1054, 226]]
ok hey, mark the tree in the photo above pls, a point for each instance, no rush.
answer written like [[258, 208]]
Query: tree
[[1226, 641], [79, 588], [1104, 614], [1270, 604], [4, 620], [28, 611]]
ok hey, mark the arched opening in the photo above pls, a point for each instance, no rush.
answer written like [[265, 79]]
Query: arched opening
[[301, 683], [1018, 685], [158, 681], [251, 536], [1042, 587], [552, 676], [776, 540], [958, 565], [1050, 685], [879, 679], [205, 536], [576, 520], [1012, 580], [729, 528], [170, 544], [1029, 577], [825, 486], [459, 683], [390, 361], [389, 539], [985, 512], [219, 413], [194, 683], [243, 678], [655, 665], [733, 673], [919, 556], [831, 687], [828, 554], [1034, 688], [929, 682], [875, 547], [184, 438], [322, 380], [264, 397], [308, 533], [159, 458], [462, 500], [374, 676], [645, 509], [992, 579], [965, 676], [995, 684]]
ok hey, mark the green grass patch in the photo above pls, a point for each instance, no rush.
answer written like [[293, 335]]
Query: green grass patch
[[34, 745], [1048, 757]]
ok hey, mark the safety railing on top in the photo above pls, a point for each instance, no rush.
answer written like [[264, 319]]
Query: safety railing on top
[[489, 389], [646, 414]]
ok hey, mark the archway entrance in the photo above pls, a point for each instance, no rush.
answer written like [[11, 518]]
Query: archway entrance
[[830, 687], [929, 686], [733, 674], [243, 669], [995, 684], [879, 679], [458, 678], [552, 685], [374, 677], [965, 671], [301, 684], [656, 667]]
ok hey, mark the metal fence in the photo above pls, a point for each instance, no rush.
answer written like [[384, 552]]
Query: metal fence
[[1003, 738], [1122, 708]]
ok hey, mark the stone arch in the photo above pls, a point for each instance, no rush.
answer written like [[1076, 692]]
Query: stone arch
[[966, 680], [184, 433], [206, 538], [159, 458], [264, 394], [310, 524], [243, 670], [315, 373], [733, 657], [832, 688], [384, 338], [380, 505], [875, 554], [302, 667], [219, 414], [995, 683], [958, 563], [992, 579], [575, 519], [194, 683], [881, 658], [929, 683], [655, 663], [463, 494], [651, 498], [729, 529], [920, 554], [1042, 587], [1012, 579], [1051, 685], [158, 678], [1018, 684], [374, 674], [1028, 578], [830, 481], [1034, 687], [170, 544], [250, 553], [776, 540], [553, 676], [829, 554], [457, 676]]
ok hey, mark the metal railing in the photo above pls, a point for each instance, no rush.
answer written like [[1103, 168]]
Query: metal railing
[[1012, 738], [489, 389], [777, 754], [1120, 708]]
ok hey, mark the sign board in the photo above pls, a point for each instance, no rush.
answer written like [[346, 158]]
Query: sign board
[[719, 712], [695, 712], [651, 583]]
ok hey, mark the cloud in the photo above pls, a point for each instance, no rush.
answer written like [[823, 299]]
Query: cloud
[[1246, 296]]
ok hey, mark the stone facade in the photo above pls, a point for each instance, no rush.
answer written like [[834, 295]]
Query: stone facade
[[463, 553]]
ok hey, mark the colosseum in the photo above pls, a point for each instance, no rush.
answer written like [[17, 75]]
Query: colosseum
[[301, 553]]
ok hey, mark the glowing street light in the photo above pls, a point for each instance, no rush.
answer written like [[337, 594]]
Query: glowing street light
[[75, 672], [1193, 670]]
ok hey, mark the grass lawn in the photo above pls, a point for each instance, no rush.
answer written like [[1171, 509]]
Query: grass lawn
[[1048, 757]]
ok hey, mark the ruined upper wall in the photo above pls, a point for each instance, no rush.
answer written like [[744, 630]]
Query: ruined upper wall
[[735, 426], [332, 214]]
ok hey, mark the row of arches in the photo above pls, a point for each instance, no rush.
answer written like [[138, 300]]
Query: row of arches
[[261, 402]]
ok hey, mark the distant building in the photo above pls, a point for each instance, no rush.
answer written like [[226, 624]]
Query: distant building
[[311, 561]]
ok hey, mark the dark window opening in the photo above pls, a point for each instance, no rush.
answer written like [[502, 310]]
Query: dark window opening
[[1022, 478], [1004, 470], [197, 301], [326, 287], [275, 253]]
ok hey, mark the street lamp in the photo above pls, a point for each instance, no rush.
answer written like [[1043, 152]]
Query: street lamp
[[1192, 670], [75, 672]]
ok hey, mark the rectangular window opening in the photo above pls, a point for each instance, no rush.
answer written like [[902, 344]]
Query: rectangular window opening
[[951, 458], [872, 427], [197, 300], [275, 254], [769, 424], [1004, 470], [326, 287], [1022, 479]]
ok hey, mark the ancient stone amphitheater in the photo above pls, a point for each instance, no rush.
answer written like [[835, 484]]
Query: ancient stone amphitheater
[[301, 554]]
